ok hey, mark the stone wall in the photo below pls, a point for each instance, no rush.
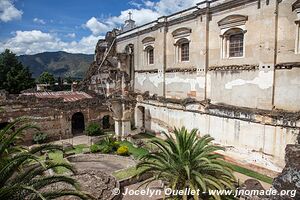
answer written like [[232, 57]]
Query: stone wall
[[52, 116], [261, 134]]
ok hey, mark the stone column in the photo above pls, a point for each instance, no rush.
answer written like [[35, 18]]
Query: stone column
[[118, 128]]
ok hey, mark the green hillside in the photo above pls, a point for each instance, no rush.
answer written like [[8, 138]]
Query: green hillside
[[59, 63]]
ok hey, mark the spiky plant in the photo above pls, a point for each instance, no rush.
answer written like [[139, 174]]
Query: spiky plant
[[187, 161], [23, 172]]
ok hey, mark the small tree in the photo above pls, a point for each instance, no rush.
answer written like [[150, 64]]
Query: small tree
[[14, 77], [46, 78]]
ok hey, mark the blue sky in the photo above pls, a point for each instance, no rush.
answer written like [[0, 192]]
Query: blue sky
[[33, 26]]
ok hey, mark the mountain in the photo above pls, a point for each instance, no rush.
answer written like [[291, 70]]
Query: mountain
[[59, 63]]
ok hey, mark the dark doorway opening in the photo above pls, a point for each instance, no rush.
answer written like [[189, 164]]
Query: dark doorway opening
[[77, 123], [141, 116], [105, 122], [3, 125]]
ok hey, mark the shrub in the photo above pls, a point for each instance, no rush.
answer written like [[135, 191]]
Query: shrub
[[106, 149], [95, 148], [94, 129], [115, 145], [123, 151], [40, 138]]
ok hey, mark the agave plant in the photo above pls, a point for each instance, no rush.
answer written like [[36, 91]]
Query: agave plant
[[188, 162], [23, 174]]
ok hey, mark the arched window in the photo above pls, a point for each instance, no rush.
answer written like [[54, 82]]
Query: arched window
[[236, 45], [233, 43], [183, 49], [149, 55]]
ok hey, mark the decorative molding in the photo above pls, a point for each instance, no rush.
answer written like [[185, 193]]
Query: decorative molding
[[233, 67], [147, 71], [182, 31], [181, 70], [148, 39], [233, 20], [287, 65]]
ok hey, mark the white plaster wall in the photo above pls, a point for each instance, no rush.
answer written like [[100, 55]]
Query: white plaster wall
[[242, 88], [243, 135], [180, 85], [287, 89], [151, 82]]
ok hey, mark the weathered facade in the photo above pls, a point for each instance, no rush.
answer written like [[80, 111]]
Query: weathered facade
[[229, 68], [59, 114]]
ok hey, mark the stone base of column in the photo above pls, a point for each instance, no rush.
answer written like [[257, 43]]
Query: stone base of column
[[126, 128]]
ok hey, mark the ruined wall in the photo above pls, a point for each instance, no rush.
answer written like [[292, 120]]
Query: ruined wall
[[253, 80], [246, 88], [52, 116], [287, 89], [246, 132]]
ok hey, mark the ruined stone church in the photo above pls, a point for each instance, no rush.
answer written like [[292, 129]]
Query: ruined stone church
[[229, 68]]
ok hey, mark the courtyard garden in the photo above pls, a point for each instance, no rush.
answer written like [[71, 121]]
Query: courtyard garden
[[180, 162]]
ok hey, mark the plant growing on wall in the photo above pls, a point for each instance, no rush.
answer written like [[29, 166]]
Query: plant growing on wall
[[40, 138], [187, 162]]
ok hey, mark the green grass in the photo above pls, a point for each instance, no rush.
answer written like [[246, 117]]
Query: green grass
[[80, 148], [249, 172], [126, 173], [134, 151], [57, 156]]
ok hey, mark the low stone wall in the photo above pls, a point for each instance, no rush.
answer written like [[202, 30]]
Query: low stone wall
[[99, 158]]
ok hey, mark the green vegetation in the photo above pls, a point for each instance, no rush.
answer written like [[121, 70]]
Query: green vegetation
[[188, 162], [14, 77], [127, 173], [46, 78], [248, 172], [22, 171], [39, 138], [80, 148], [94, 129], [134, 151], [123, 151], [95, 148]]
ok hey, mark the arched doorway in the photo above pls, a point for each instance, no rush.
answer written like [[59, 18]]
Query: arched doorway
[[105, 122], [77, 123]]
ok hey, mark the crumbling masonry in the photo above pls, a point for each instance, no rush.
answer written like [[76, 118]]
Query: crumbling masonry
[[229, 68]]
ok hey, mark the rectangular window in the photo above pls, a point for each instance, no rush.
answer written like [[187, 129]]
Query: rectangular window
[[185, 52], [151, 56], [236, 45]]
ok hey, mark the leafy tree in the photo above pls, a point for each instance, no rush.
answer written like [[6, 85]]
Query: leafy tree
[[14, 77], [46, 78], [22, 172], [188, 162]]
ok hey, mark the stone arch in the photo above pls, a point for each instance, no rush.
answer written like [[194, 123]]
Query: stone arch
[[77, 123]]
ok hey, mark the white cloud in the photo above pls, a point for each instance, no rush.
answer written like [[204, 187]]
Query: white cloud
[[39, 21], [8, 11], [145, 11], [71, 35], [96, 26], [35, 41]]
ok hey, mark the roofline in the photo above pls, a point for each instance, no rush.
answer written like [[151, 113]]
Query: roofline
[[201, 9]]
